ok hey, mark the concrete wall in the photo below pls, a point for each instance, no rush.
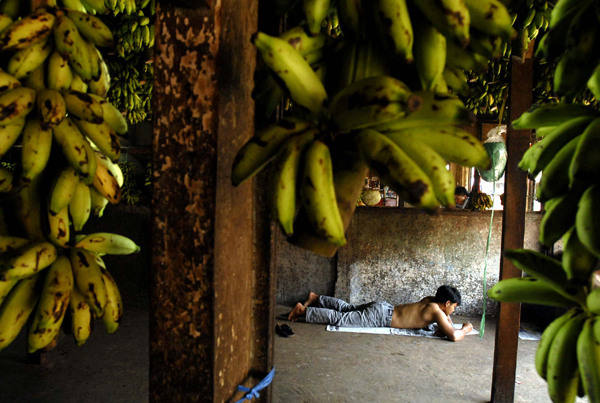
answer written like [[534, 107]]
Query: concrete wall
[[402, 255]]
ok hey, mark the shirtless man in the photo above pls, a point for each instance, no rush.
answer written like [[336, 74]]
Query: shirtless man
[[437, 309]]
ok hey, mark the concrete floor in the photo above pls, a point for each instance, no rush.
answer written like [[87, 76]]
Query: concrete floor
[[108, 368], [316, 366]]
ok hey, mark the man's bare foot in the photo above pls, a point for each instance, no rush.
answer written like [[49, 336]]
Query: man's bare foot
[[312, 297], [298, 310]]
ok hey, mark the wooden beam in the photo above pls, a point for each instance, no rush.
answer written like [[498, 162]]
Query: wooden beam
[[513, 231], [207, 335]]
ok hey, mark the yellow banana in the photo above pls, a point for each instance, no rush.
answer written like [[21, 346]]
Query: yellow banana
[[9, 135], [36, 80], [284, 177], [15, 104], [260, 149], [8, 82], [27, 31], [62, 189], [395, 27], [88, 278], [30, 259], [98, 202], [81, 317], [11, 243], [6, 180], [101, 84], [69, 43], [432, 164], [59, 231], [5, 21], [29, 209], [55, 292], [73, 145], [83, 106], [106, 183], [450, 17], [92, 28], [42, 336], [113, 311], [51, 107], [111, 244], [103, 137], [303, 84], [26, 60], [5, 287], [396, 169], [315, 12], [80, 206], [491, 17], [318, 194], [112, 116], [16, 309], [77, 83], [60, 75]]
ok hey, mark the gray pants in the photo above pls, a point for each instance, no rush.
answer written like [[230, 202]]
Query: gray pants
[[333, 311]]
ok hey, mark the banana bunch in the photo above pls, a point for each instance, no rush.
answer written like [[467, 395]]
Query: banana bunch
[[68, 172], [573, 42], [481, 201], [534, 17], [131, 87], [133, 33], [568, 355]]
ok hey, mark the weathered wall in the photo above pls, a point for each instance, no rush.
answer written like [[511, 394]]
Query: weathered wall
[[402, 255]]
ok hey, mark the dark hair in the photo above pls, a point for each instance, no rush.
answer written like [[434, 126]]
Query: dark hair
[[447, 293], [461, 191]]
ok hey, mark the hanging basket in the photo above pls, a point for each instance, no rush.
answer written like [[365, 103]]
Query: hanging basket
[[496, 148]]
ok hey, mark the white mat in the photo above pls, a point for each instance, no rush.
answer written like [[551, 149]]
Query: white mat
[[425, 332]]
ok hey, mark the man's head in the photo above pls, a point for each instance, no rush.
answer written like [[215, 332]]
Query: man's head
[[448, 298], [460, 195]]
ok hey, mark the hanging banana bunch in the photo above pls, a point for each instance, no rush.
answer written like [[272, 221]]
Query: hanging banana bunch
[[52, 102]]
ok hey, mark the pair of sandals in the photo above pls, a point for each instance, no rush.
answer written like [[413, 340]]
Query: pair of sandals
[[284, 330]]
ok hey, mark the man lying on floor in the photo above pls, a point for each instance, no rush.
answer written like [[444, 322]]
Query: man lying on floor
[[333, 311]]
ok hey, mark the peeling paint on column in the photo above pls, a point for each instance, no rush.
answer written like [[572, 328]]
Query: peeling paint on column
[[184, 183]]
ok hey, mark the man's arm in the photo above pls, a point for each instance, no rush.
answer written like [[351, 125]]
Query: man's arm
[[445, 325]]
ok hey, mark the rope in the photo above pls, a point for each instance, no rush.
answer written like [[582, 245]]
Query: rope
[[487, 246], [253, 393]]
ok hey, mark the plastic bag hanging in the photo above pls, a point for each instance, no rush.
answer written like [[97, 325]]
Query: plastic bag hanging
[[496, 148]]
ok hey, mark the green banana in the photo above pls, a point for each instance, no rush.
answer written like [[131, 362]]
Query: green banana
[[562, 369], [261, 148], [430, 54], [539, 155], [16, 309], [26, 60], [297, 76], [559, 215], [27, 31], [528, 290], [453, 144], [588, 219], [571, 75], [318, 194], [458, 57], [372, 101], [436, 110], [547, 269], [577, 260], [283, 182], [564, 9], [585, 165], [352, 18], [303, 42], [35, 151], [491, 17], [395, 27], [593, 83], [456, 80], [588, 357], [450, 17], [541, 355], [15, 104], [432, 164], [396, 169], [593, 301], [315, 12], [552, 115], [6, 179], [555, 177], [11, 243]]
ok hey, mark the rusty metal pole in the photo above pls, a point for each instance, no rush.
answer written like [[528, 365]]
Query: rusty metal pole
[[513, 232], [207, 332]]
